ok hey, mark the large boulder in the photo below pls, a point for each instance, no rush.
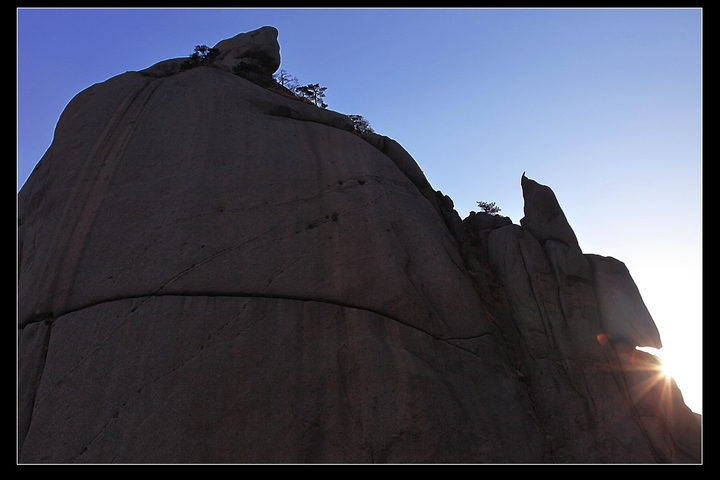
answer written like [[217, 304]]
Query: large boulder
[[234, 276], [623, 314], [258, 50]]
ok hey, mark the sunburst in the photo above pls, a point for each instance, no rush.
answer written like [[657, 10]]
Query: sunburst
[[663, 367]]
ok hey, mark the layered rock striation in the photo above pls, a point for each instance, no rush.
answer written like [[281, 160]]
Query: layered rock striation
[[212, 271]]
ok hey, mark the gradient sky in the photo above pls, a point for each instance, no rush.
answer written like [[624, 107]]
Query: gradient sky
[[602, 105]]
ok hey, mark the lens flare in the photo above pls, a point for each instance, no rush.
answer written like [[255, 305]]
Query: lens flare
[[663, 366], [652, 386]]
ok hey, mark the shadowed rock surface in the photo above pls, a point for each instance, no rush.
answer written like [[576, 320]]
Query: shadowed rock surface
[[258, 48], [211, 271]]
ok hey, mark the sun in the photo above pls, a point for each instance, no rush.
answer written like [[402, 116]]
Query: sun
[[664, 367]]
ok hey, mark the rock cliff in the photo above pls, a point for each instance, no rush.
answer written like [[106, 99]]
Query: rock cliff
[[212, 271]]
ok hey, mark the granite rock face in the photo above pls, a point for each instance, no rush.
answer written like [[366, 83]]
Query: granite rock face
[[544, 218], [258, 48], [234, 275], [623, 314]]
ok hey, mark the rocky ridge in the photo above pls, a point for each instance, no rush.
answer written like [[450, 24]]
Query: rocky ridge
[[236, 276]]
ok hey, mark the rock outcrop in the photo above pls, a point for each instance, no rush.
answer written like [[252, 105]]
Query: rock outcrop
[[212, 272], [258, 49]]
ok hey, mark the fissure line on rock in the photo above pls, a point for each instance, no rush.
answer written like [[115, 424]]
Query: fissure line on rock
[[624, 389], [170, 372], [294, 115], [158, 294], [38, 380], [531, 393], [312, 224], [544, 316], [95, 348], [214, 256], [286, 268]]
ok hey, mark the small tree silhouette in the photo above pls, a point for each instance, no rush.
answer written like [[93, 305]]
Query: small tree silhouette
[[286, 80], [313, 92], [203, 55], [488, 207], [360, 124]]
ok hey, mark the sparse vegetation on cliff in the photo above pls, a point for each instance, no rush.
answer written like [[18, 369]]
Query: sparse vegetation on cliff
[[203, 55], [489, 207], [286, 80], [360, 124], [313, 92]]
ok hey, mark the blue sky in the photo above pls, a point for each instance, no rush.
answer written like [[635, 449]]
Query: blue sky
[[602, 105]]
